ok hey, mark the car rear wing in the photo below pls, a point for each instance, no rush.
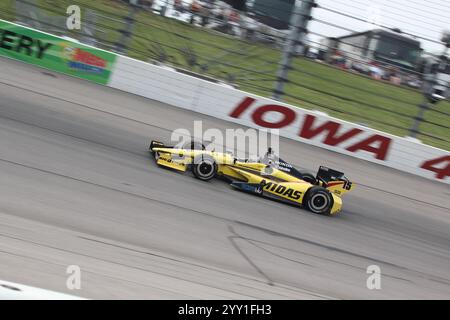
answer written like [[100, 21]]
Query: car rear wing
[[326, 175], [335, 181]]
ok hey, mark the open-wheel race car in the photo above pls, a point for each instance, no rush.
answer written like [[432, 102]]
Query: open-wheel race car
[[268, 176]]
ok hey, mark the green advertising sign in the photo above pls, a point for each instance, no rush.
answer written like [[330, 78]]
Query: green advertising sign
[[55, 53]]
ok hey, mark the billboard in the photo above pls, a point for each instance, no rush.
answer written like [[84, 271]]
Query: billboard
[[54, 53]]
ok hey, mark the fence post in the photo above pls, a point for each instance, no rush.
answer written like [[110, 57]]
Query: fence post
[[300, 17], [430, 80], [122, 44], [418, 119]]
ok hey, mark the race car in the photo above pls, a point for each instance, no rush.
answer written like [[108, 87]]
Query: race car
[[268, 176]]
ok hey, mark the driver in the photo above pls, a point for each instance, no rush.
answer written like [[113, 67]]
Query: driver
[[269, 158]]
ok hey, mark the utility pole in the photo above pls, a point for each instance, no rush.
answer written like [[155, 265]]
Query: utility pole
[[300, 17]]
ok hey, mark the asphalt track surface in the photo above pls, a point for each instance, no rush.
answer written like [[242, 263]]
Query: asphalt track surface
[[77, 187]]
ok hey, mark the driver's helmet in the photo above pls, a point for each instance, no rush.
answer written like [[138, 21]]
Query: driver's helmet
[[269, 158]]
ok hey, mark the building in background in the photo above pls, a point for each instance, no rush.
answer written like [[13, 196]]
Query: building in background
[[274, 13], [361, 51]]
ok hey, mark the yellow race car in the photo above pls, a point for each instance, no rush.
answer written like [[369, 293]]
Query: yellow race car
[[267, 176]]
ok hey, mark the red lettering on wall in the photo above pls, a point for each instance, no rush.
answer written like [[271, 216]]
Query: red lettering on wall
[[288, 116], [330, 127], [376, 144], [247, 102], [380, 151], [441, 173]]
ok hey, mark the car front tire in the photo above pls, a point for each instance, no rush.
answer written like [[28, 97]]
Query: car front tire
[[204, 167]]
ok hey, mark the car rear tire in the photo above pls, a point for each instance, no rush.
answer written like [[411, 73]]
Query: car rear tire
[[309, 177], [318, 200], [204, 167]]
